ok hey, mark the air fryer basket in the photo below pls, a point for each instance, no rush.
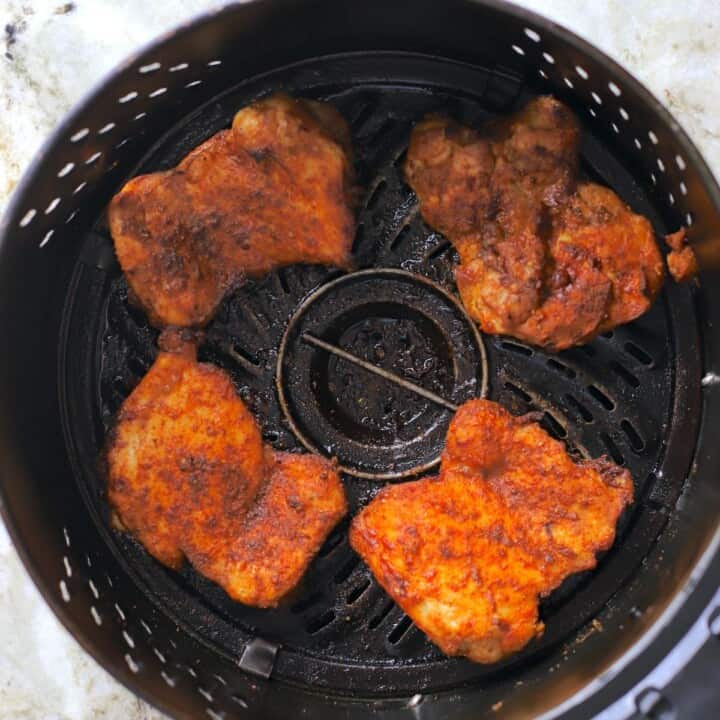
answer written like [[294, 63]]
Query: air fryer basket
[[645, 394]]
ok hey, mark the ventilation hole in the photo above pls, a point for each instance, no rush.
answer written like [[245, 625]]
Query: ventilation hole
[[661, 165], [140, 116], [683, 188], [71, 216], [549, 58], [653, 178], [400, 158], [440, 249], [653, 137], [375, 195], [64, 593], [241, 701], [592, 112], [93, 158], [94, 590], [615, 128], [516, 348], [622, 372], [68, 567], [95, 615], [534, 36], [581, 410], [128, 638], [515, 390], [193, 83], [596, 98], [518, 49], [320, 622], [160, 656], [106, 128], [553, 426], [653, 705], [79, 135], [331, 543], [346, 570], [47, 237], [214, 63], [399, 237], [582, 72], [246, 354], [191, 671], [601, 397], [27, 218], [400, 630], [714, 622], [66, 170], [561, 367], [568, 82], [688, 219], [638, 353], [624, 114], [220, 679], [638, 144], [282, 279], [614, 89], [128, 97], [170, 681], [152, 67], [145, 627], [121, 143], [53, 204], [66, 536], [181, 66], [207, 695], [542, 74], [634, 438], [120, 612], [377, 619], [357, 592], [134, 667], [80, 187], [158, 92], [306, 603], [214, 715], [671, 198], [612, 449]]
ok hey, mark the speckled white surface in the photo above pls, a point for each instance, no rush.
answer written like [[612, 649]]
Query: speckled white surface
[[55, 51]]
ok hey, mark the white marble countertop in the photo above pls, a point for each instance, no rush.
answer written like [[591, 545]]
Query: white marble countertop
[[55, 51]]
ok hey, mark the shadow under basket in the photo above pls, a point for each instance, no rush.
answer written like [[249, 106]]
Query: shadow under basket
[[637, 636]]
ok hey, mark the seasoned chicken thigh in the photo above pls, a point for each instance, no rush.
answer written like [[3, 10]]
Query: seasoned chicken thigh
[[542, 258], [275, 189], [189, 477], [467, 555]]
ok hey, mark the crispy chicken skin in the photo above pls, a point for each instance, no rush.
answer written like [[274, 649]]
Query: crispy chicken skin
[[542, 258], [468, 554], [189, 477], [275, 189]]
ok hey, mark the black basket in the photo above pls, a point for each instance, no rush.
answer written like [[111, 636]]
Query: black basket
[[645, 394]]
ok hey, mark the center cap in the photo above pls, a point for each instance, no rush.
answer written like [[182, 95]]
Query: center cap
[[371, 367]]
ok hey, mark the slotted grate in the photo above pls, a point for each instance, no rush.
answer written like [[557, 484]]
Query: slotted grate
[[613, 396]]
